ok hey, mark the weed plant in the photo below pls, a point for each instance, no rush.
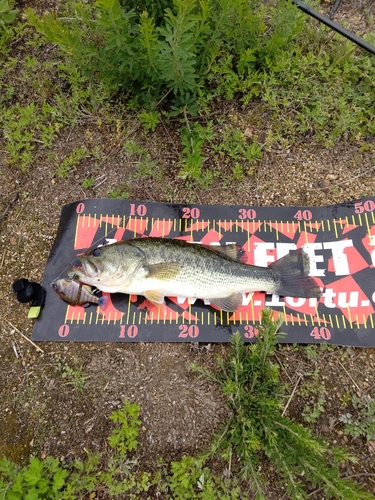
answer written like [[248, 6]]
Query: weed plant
[[187, 49], [250, 382], [75, 377], [120, 475], [7, 13], [256, 431], [363, 422], [175, 56]]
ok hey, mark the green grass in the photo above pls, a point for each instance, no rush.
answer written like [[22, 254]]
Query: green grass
[[308, 80], [257, 432], [251, 385], [173, 59]]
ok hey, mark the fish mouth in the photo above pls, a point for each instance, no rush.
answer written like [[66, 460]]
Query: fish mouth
[[91, 269]]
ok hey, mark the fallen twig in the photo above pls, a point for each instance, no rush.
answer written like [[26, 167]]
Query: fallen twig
[[344, 181], [9, 206], [351, 378], [24, 336], [291, 396]]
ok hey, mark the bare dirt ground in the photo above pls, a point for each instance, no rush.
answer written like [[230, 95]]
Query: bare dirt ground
[[41, 414]]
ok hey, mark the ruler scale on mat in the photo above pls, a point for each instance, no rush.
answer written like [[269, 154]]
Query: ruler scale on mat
[[339, 239]]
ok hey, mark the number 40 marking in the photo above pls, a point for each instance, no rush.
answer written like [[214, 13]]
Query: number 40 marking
[[320, 333]]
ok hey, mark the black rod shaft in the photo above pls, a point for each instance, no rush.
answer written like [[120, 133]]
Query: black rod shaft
[[335, 26]]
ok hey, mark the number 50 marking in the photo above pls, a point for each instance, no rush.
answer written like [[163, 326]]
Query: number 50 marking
[[367, 206]]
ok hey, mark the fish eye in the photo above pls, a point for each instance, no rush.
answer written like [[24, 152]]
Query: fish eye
[[97, 252]]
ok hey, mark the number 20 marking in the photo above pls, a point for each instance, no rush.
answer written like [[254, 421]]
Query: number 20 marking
[[190, 213], [191, 331]]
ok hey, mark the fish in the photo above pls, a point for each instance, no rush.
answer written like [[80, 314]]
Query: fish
[[164, 267], [77, 294]]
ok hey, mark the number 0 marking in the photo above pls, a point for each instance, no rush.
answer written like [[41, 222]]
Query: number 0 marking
[[64, 331], [80, 208]]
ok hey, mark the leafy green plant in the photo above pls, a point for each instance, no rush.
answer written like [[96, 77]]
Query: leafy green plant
[[362, 423], [314, 391], [24, 127], [169, 47], [119, 474], [124, 438], [150, 120], [188, 478], [37, 480], [251, 385], [233, 145], [120, 192], [76, 377], [88, 182], [193, 138], [7, 13], [71, 161], [50, 479]]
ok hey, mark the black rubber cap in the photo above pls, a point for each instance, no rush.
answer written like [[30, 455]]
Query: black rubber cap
[[20, 285], [29, 291]]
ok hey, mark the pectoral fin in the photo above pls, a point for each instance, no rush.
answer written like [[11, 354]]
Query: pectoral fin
[[230, 303], [165, 271]]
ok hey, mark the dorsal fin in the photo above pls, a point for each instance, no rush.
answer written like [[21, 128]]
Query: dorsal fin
[[231, 252]]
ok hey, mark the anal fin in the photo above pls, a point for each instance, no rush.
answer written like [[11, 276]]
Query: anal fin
[[230, 303]]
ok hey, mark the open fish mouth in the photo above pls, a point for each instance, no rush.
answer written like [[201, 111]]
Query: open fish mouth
[[91, 269]]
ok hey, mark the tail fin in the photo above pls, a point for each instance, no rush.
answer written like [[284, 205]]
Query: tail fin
[[292, 271]]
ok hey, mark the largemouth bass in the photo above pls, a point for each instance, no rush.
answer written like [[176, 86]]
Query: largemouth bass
[[77, 294], [160, 267]]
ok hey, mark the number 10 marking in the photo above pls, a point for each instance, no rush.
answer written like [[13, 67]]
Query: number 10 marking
[[131, 331]]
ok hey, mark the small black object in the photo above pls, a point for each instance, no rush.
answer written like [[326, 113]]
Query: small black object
[[29, 291], [20, 284]]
